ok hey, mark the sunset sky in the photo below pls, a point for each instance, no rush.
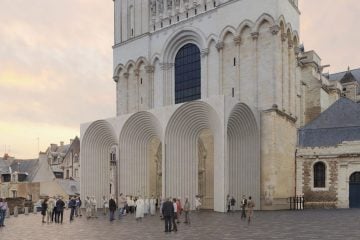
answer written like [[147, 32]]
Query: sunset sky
[[56, 63]]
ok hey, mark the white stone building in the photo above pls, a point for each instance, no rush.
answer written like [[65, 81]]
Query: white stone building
[[210, 95]]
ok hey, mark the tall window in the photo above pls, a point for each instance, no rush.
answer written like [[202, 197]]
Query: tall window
[[355, 177], [319, 175], [187, 74]]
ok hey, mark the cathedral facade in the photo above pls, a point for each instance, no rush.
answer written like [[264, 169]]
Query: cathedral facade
[[210, 95]]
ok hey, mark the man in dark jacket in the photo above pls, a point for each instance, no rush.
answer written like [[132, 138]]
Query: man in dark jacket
[[112, 208], [72, 206], [168, 214], [59, 210]]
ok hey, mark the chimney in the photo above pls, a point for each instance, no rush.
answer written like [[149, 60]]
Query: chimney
[[61, 144]]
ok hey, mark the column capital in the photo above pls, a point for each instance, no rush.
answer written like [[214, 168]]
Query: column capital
[[126, 75], [204, 52], [166, 66], [116, 78], [283, 37], [237, 40], [275, 29], [255, 35], [149, 69], [137, 72], [291, 43], [220, 45]]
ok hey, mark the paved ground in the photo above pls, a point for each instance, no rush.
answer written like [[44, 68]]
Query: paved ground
[[309, 224]]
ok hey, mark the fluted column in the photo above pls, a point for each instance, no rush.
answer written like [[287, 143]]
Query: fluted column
[[291, 77], [126, 76]]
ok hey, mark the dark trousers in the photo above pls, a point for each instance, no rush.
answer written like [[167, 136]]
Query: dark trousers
[[174, 222], [243, 213], [59, 216], [228, 208], [112, 213], [72, 213], [53, 215], [167, 223]]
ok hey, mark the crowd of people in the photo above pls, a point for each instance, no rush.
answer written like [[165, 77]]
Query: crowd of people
[[170, 209]]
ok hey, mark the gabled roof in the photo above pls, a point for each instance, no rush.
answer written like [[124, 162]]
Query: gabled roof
[[348, 77], [71, 187], [26, 166], [340, 122], [339, 76]]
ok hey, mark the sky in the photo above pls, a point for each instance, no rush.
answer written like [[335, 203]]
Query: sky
[[56, 64]]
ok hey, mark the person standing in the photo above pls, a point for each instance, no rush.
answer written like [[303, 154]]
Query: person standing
[[3, 209], [78, 207], [112, 208], [105, 205], [121, 205], [187, 211], [232, 203], [178, 209], [139, 209], [88, 207], [174, 218], [167, 213], [50, 209], [72, 205], [250, 212], [54, 213], [152, 206], [44, 207], [228, 203], [243, 207], [197, 203], [60, 210], [93, 207]]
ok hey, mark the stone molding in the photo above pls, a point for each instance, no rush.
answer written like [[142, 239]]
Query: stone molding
[[237, 40], [204, 52], [220, 45], [149, 69], [255, 35], [166, 66], [275, 29]]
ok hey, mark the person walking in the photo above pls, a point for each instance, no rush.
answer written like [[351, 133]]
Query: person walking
[[197, 203], [112, 208], [3, 209], [60, 205], [178, 209], [250, 212], [243, 207], [187, 211], [93, 207], [72, 206], [44, 207], [105, 205], [152, 206], [140, 208], [50, 209], [167, 213], [78, 207]]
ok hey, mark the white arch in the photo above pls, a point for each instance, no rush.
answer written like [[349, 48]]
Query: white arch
[[244, 24], [118, 69], [135, 135], [243, 140], [179, 39], [181, 160], [225, 31], [264, 17], [96, 146]]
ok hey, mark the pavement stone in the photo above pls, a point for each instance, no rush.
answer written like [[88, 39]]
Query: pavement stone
[[307, 224]]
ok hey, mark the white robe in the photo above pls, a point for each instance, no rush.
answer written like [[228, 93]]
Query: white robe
[[147, 206], [139, 208], [152, 206]]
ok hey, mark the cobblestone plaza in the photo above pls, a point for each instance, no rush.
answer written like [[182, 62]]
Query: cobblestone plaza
[[308, 224]]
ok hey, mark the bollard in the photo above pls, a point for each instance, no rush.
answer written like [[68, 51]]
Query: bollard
[[26, 210], [16, 212], [7, 213], [35, 210]]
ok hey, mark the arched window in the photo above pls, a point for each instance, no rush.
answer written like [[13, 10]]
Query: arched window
[[319, 175], [187, 74], [355, 177]]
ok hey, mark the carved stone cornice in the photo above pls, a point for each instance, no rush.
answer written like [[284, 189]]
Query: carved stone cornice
[[116, 78], [255, 35], [220, 45], [149, 69], [237, 40], [204, 52], [275, 29]]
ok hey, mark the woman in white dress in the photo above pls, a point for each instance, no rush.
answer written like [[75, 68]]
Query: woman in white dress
[[152, 206], [139, 208]]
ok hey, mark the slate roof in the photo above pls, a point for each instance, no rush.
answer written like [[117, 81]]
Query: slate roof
[[345, 76], [340, 122], [26, 166], [4, 166]]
